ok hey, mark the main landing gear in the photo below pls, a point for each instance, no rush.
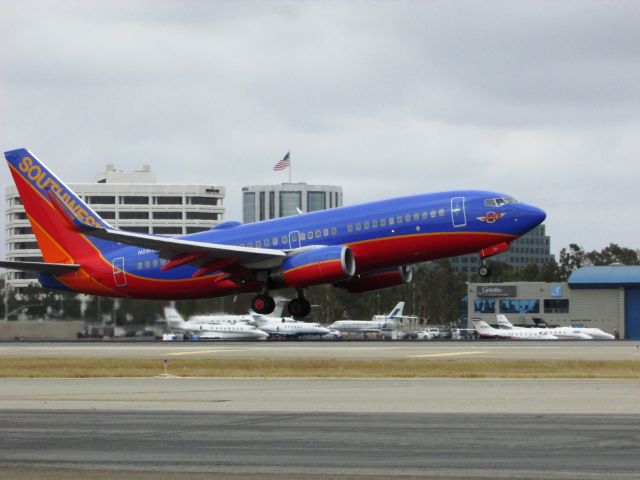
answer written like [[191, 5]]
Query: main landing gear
[[263, 304], [299, 307]]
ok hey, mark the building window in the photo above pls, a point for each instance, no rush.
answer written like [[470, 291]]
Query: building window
[[272, 204], [134, 215], [249, 207], [261, 206], [316, 201], [556, 305], [168, 200], [101, 200], [203, 200], [167, 215], [196, 229], [290, 202], [135, 229], [520, 306], [134, 200], [202, 216], [484, 306], [167, 230], [107, 215]]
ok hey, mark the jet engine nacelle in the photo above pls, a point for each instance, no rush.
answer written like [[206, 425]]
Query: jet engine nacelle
[[378, 280], [312, 267]]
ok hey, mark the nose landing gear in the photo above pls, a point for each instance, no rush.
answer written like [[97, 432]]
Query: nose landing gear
[[484, 270]]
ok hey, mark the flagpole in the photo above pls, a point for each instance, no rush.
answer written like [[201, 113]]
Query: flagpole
[[290, 167]]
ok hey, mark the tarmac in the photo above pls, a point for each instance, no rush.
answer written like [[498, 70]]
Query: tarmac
[[192, 428]]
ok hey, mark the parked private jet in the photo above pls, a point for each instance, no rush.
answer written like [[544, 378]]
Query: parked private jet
[[376, 325], [212, 331], [487, 331], [563, 333]]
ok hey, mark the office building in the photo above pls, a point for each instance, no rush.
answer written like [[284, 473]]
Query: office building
[[264, 202]]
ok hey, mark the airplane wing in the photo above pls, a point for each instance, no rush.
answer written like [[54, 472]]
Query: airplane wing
[[40, 267], [171, 247]]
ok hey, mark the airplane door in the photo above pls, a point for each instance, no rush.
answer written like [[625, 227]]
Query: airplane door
[[294, 239], [118, 272], [458, 216]]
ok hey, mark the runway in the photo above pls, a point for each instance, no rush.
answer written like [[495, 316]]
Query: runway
[[329, 445], [485, 349], [316, 429]]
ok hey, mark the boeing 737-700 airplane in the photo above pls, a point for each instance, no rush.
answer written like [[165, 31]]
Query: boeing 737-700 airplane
[[360, 248]]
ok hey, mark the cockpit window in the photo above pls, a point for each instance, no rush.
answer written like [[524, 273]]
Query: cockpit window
[[499, 202]]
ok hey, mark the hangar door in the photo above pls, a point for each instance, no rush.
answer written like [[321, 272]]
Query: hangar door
[[632, 313]]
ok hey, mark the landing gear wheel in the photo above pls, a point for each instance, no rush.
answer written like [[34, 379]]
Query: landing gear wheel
[[263, 304], [299, 307], [484, 271]]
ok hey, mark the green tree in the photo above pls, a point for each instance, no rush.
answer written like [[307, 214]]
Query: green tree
[[571, 260]]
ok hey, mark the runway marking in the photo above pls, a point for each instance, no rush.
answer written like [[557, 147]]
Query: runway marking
[[197, 352], [449, 354]]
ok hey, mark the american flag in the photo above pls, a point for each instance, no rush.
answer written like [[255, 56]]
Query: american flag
[[282, 164]]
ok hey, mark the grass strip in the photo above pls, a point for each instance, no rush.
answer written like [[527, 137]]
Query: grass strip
[[38, 367]]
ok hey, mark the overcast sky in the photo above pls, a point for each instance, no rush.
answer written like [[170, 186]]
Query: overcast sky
[[537, 99]]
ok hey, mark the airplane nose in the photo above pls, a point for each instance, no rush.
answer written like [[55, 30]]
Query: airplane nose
[[530, 217]]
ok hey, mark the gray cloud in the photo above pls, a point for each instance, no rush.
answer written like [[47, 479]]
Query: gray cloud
[[537, 99]]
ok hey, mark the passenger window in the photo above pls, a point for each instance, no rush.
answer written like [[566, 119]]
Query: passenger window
[[383, 222], [374, 223], [407, 218], [258, 244], [349, 228], [366, 225], [425, 215], [399, 219], [275, 241], [139, 265], [318, 234], [310, 235], [302, 236], [266, 243], [147, 264], [416, 217], [325, 232], [441, 212], [155, 262], [391, 221], [433, 214], [250, 244], [358, 227], [334, 230], [285, 240]]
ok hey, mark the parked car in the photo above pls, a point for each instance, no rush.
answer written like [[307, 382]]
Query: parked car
[[428, 334]]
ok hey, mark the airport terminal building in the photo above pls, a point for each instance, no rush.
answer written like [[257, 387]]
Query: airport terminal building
[[605, 297], [131, 201]]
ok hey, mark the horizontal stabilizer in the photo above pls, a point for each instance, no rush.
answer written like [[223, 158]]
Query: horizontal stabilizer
[[41, 267]]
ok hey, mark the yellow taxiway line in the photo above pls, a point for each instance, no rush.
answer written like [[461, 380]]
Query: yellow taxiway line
[[450, 354], [198, 352]]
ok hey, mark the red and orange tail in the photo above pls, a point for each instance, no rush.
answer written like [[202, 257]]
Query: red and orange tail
[[39, 189]]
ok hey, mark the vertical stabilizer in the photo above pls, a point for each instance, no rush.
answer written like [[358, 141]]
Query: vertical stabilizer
[[57, 241]]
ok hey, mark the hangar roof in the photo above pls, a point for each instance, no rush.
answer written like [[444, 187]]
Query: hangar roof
[[611, 276]]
